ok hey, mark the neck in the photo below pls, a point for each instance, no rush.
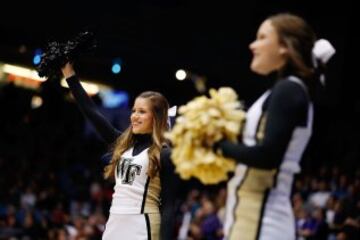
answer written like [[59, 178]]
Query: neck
[[140, 137]]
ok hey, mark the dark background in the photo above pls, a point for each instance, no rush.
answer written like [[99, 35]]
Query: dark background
[[155, 38]]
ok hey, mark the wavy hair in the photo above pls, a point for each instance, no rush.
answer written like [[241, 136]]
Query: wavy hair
[[159, 108]]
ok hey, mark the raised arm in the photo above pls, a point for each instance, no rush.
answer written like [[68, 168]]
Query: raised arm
[[88, 107]]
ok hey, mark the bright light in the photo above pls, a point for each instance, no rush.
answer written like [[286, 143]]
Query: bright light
[[37, 56], [36, 102], [36, 59], [90, 88], [180, 75], [116, 68], [111, 98], [22, 72]]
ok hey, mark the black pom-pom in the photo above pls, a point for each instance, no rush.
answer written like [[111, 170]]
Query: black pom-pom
[[50, 60], [84, 42], [57, 54]]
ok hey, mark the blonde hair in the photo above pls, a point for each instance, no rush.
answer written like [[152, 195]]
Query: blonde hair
[[159, 109]]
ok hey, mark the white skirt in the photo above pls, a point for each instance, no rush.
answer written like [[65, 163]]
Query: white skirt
[[132, 227]]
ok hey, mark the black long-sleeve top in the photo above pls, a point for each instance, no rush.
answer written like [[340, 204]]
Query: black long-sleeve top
[[286, 108], [170, 182]]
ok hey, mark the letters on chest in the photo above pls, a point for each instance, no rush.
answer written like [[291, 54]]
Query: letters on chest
[[127, 170]]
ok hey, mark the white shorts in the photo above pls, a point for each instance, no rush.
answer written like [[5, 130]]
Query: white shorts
[[132, 227]]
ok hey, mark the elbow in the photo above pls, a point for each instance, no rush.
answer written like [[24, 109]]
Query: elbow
[[272, 157]]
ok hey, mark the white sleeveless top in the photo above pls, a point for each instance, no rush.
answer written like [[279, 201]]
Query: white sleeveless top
[[134, 191]]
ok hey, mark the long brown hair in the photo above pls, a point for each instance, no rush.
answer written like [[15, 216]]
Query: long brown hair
[[159, 109], [299, 38]]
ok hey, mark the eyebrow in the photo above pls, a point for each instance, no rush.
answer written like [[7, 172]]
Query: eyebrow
[[140, 108]]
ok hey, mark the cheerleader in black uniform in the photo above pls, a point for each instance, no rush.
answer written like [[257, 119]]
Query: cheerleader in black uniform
[[277, 130], [140, 165]]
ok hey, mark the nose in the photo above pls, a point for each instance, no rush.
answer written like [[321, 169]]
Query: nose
[[252, 46], [134, 116]]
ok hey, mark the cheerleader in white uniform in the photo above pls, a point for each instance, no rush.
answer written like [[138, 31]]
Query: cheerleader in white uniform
[[277, 130], [140, 165]]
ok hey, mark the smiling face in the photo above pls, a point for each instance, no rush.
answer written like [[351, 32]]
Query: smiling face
[[268, 54], [142, 116]]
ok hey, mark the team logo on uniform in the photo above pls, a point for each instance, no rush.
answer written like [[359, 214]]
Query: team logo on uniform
[[126, 170]]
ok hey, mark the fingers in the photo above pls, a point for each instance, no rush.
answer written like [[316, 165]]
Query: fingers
[[68, 70]]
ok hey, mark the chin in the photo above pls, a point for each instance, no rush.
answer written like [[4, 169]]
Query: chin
[[139, 132], [135, 131], [255, 68], [259, 70]]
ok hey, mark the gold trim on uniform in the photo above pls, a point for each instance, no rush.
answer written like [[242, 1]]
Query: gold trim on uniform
[[154, 221], [152, 200], [251, 195], [261, 128]]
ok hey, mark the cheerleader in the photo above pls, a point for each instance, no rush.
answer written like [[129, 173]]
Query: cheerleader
[[277, 130], [140, 166]]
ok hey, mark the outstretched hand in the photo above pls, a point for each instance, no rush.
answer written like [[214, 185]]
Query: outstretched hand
[[68, 70]]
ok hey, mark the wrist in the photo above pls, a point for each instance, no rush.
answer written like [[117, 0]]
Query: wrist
[[69, 74]]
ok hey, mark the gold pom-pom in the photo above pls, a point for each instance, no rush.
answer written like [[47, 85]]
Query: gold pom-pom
[[202, 122]]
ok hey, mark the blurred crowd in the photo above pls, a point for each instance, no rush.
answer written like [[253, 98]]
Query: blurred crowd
[[326, 204]]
